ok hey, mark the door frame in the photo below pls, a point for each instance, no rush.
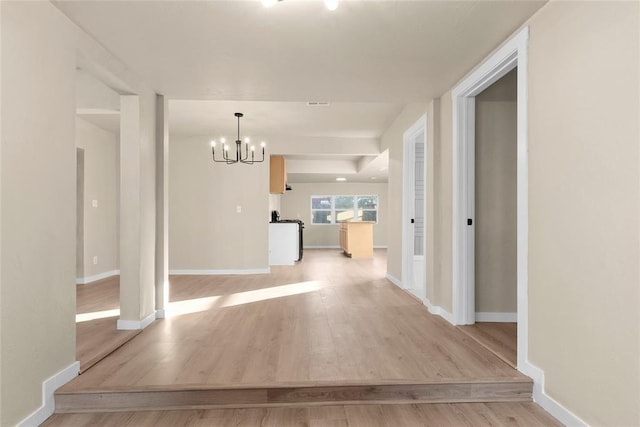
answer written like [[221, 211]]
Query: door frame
[[408, 168], [512, 54]]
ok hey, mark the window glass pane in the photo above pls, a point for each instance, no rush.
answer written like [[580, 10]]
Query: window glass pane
[[342, 216], [344, 202], [368, 202], [322, 202], [321, 217], [369, 215]]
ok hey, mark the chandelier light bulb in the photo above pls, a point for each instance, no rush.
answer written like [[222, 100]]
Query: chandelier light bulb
[[262, 144], [241, 154], [331, 4]]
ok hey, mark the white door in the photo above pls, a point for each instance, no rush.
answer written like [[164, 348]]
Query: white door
[[414, 212]]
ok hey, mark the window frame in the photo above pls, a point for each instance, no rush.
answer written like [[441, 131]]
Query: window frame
[[332, 208]]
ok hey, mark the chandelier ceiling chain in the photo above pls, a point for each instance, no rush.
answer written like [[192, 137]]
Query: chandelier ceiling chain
[[239, 157]]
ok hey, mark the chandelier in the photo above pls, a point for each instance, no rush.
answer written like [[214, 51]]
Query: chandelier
[[239, 156]]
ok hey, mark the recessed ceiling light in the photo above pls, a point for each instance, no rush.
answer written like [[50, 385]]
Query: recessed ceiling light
[[331, 4], [373, 177], [341, 179]]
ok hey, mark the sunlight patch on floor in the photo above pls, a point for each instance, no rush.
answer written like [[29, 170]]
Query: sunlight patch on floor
[[197, 305], [85, 317]]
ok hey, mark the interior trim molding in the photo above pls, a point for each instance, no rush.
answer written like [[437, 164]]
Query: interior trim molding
[[439, 311], [321, 247], [134, 325], [49, 386], [220, 272], [552, 406], [433, 309], [96, 277], [394, 280], [513, 53], [496, 317]]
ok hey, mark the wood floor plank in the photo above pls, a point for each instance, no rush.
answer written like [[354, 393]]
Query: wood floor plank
[[97, 335], [441, 415], [328, 320], [500, 338], [324, 319]]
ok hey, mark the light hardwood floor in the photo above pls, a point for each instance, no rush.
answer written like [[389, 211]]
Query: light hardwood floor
[[328, 322], [330, 318], [441, 415], [500, 338], [98, 337]]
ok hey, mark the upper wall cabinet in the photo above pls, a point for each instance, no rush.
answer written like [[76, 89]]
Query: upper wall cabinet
[[277, 175]]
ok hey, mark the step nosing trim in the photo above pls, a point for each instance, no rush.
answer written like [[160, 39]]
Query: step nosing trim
[[284, 386]]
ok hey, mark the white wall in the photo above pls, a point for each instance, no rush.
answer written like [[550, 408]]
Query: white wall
[[100, 183], [38, 202], [205, 230], [296, 204]]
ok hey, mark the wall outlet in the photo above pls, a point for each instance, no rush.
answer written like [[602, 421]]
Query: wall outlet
[[94, 203], [95, 259]]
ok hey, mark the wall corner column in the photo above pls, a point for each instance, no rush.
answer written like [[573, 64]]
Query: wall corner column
[[162, 207]]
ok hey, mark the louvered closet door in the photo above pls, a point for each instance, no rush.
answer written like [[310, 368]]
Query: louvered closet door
[[419, 260]]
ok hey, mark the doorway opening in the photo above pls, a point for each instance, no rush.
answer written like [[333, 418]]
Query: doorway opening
[[511, 56], [495, 231], [414, 236]]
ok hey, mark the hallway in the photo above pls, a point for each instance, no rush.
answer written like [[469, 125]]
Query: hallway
[[328, 330]]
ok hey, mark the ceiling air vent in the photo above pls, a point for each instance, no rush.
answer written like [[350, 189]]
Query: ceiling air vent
[[317, 104]]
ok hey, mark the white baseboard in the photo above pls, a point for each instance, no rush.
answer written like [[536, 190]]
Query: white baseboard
[[91, 279], [161, 314], [49, 386], [337, 247], [496, 317], [433, 309], [562, 414], [394, 280], [439, 311], [220, 272], [134, 325]]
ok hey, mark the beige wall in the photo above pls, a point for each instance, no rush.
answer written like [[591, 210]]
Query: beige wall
[[205, 231], [584, 207], [100, 181], [443, 208], [296, 204], [584, 244], [38, 202], [495, 197]]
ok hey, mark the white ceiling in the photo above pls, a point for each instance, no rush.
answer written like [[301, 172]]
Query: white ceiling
[[367, 58], [338, 120]]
